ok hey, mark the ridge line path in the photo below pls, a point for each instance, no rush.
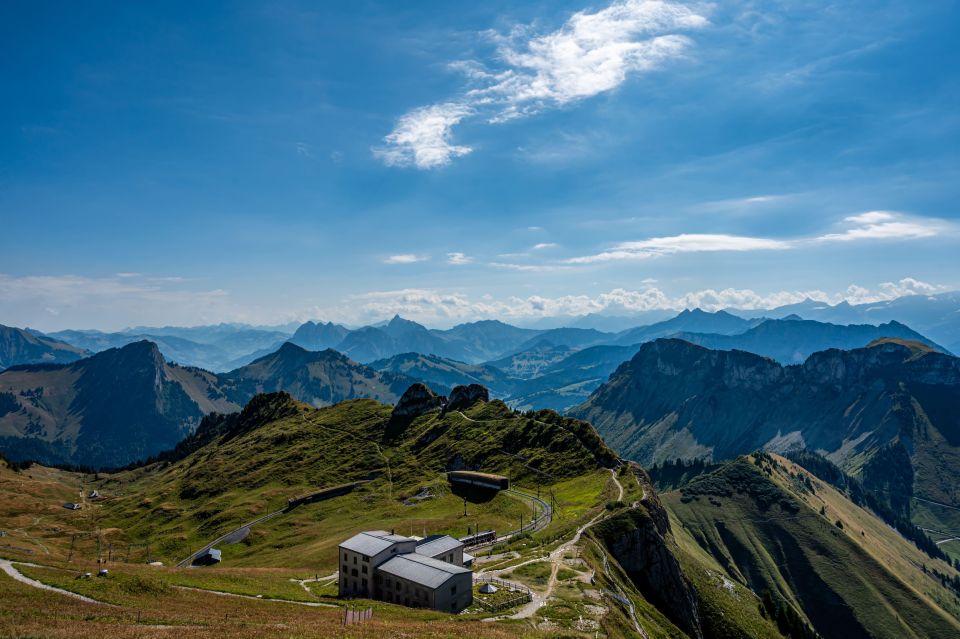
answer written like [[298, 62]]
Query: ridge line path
[[7, 567]]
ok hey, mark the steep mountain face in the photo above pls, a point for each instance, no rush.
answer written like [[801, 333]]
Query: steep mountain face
[[112, 408], [815, 560], [690, 321], [442, 373], [317, 336], [791, 341], [317, 378], [18, 346], [882, 412]]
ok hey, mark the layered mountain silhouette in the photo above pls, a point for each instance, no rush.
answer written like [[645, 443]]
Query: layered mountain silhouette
[[19, 346], [217, 348], [936, 316], [128, 403], [792, 340]]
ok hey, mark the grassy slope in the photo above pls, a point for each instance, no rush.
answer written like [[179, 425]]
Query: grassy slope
[[849, 584], [235, 480]]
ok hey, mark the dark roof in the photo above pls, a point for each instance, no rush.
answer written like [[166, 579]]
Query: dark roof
[[372, 542], [437, 545], [428, 572]]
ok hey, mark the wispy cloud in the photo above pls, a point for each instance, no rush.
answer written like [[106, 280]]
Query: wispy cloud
[[405, 258], [458, 259], [872, 225], [685, 243], [884, 225], [590, 54], [543, 246]]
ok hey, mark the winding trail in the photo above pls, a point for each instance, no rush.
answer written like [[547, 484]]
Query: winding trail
[[7, 567], [556, 560]]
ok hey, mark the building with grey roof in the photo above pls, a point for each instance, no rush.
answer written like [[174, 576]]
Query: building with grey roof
[[427, 573]]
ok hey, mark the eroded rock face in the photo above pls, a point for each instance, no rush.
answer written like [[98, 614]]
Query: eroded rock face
[[636, 538], [417, 400], [466, 396]]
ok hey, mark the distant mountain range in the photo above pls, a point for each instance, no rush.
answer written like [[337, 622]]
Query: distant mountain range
[[936, 316], [885, 413], [128, 403], [214, 348], [18, 346], [225, 347]]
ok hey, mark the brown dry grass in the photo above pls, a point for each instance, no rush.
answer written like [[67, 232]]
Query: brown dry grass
[[29, 612]]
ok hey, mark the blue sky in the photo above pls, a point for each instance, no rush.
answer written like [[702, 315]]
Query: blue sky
[[200, 162]]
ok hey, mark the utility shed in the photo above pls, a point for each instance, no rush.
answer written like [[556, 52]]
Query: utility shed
[[419, 581], [208, 557]]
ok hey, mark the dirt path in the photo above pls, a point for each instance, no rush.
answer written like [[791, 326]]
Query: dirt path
[[312, 604], [7, 567], [556, 560]]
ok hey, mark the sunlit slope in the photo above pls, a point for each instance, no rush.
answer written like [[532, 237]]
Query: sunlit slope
[[248, 466], [760, 521]]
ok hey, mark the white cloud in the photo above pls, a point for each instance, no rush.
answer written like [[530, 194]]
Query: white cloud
[[543, 246], [884, 225], [405, 258], [458, 259], [421, 138], [440, 307], [591, 53], [872, 225], [685, 243], [303, 149]]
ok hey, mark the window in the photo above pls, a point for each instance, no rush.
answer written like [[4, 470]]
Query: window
[[364, 569], [366, 559], [353, 572], [344, 569], [399, 586], [364, 584], [354, 560], [393, 550], [453, 590], [389, 582], [344, 556]]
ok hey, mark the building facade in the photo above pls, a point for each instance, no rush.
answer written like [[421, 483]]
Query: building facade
[[424, 573]]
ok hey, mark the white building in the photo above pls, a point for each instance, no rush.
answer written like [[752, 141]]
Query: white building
[[426, 573]]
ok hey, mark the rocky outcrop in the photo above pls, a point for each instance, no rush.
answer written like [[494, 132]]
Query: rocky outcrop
[[466, 396], [637, 539], [417, 400]]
